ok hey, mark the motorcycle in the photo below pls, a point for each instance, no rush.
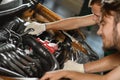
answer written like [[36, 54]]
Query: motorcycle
[[25, 55]]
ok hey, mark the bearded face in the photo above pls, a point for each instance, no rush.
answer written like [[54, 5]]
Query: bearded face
[[116, 36], [109, 33]]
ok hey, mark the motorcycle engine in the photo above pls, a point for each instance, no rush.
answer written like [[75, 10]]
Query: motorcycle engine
[[25, 55]]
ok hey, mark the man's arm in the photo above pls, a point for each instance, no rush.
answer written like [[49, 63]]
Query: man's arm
[[72, 75], [64, 24], [71, 23], [114, 74], [104, 64]]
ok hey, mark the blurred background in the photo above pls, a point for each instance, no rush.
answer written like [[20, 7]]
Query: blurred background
[[65, 8]]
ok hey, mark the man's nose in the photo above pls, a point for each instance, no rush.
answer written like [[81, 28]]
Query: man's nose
[[99, 32]]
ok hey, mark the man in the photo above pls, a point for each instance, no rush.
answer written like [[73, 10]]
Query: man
[[76, 22], [110, 33], [70, 23]]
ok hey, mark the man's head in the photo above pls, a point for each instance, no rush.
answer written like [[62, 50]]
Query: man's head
[[110, 24], [96, 9]]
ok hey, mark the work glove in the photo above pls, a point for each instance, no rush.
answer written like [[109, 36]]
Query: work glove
[[38, 28], [73, 66]]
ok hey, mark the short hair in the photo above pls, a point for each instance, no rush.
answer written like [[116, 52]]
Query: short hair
[[111, 7], [92, 2]]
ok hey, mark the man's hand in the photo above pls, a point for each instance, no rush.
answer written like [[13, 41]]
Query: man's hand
[[73, 66], [62, 75], [38, 28], [55, 75]]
